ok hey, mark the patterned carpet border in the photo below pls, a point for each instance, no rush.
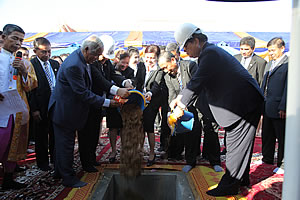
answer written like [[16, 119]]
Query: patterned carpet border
[[264, 183]]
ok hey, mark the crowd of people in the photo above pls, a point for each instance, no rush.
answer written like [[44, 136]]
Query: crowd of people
[[67, 97]]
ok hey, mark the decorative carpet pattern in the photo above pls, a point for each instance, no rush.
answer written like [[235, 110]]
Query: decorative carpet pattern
[[264, 183]]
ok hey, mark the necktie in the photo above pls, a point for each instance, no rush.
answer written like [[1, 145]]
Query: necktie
[[267, 82], [273, 65], [90, 75], [179, 80], [243, 62], [48, 75]]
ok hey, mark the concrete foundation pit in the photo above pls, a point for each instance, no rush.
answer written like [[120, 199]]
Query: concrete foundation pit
[[149, 186]]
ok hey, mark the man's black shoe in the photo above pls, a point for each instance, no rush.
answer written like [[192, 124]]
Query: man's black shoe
[[112, 159], [20, 169], [90, 169], [245, 182], [79, 184], [9, 183], [160, 149], [45, 168], [13, 185], [96, 163], [217, 192], [56, 177]]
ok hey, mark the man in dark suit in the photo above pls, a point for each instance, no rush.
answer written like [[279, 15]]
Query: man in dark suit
[[70, 103], [211, 145], [275, 90], [176, 80], [46, 70], [89, 135], [234, 99], [252, 62]]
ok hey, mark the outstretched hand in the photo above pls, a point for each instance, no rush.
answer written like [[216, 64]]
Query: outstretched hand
[[148, 96], [177, 113], [123, 92], [174, 103], [128, 85], [114, 104]]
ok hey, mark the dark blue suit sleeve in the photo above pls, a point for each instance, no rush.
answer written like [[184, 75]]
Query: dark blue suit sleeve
[[75, 77], [99, 80], [282, 105], [207, 61], [193, 68]]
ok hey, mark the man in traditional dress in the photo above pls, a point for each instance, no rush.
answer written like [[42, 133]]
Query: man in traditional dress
[[14, 127]]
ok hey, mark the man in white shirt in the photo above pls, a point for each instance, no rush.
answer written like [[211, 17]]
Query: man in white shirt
[[274, 86], [15, 74], [250, 61]]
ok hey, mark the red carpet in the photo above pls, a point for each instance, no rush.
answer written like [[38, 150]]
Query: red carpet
[[264, 183]]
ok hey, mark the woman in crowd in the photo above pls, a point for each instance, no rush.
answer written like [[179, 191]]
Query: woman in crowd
[[138, 80], [156, 93]]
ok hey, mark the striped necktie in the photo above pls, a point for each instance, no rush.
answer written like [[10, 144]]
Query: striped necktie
[[178, 76], [48, 75]]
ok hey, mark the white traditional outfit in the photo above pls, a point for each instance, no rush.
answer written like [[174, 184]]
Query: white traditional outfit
[[14, 127]]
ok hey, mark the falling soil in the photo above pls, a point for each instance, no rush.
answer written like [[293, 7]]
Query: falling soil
[[132, 138]]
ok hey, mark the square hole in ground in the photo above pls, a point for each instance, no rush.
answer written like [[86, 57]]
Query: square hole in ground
[[148, 186]]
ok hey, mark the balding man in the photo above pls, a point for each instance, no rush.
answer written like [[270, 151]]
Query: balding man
[[70, 103]]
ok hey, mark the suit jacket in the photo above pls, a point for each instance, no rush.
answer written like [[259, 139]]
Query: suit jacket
[[275, 84], [39, 97], [256, 67], [71, 99], [157, 86], [128, 73], [110, 73], [139, 80], [187, 69], [153, 82], [103, 76], [100, 84], [230, 90]]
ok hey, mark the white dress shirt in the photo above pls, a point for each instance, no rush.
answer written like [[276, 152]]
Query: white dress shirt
[[246, 61]]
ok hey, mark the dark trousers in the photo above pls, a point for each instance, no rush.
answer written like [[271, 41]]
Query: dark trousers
[[272, 129], [176, 146], [188, 140], [64, 154], [165, 130], [239, 143], [150, 113], [32, 129], [44, 142], [88, 138], [211, 144]]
